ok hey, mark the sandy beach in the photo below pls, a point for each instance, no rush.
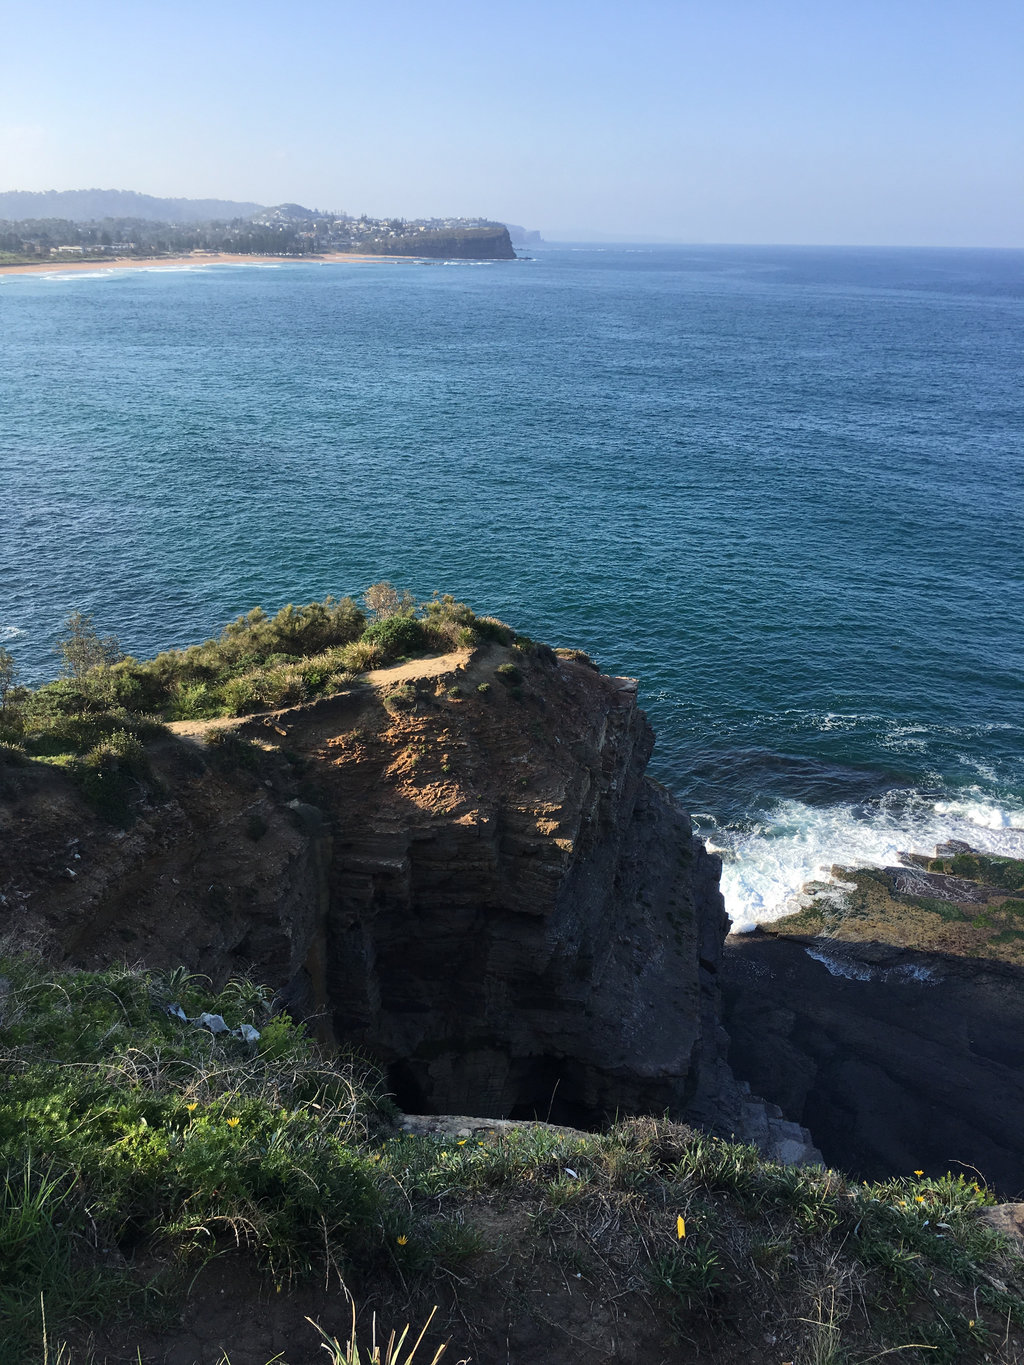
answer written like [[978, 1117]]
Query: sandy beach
[[53, 266]]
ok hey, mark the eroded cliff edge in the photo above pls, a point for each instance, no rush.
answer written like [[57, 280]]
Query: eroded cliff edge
[[459, 863]]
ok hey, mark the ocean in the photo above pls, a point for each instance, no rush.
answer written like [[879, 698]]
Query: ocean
[[783, 486]]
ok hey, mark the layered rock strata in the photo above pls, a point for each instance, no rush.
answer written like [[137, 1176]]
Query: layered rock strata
[[458, 866]]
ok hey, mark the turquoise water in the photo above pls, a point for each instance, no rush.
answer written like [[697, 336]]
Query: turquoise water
[[785, 487]]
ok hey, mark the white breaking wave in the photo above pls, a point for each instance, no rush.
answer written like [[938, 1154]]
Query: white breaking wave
[[765, 869], [62, 276], [10, 632], [862, 971]]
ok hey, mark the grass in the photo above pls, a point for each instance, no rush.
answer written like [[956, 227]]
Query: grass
[[390, 1352], [135, 1146]]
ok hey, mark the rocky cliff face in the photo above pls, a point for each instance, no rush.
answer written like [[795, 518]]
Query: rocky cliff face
[[896, 1059], [520, 922], [462, 244], [460, 864]]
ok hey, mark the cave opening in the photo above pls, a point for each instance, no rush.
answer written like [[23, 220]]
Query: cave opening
[[551, 1089], [407, 1090]]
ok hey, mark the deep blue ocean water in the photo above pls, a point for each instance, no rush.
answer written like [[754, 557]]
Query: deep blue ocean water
[[784, 487]]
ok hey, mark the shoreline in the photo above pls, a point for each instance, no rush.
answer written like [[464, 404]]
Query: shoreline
[[51, 267]]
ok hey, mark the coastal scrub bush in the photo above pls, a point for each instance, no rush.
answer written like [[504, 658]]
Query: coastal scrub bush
[[361, 655], [395, 636], [110, 771], [83, 649], [8, 675], [578, 656], [490, 628], [257, 663], [383, 600], [194, 683]]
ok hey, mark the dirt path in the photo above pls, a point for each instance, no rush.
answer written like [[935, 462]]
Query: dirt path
[[377, 678]]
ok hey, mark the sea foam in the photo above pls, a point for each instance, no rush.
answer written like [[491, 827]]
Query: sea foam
[[766, 867]]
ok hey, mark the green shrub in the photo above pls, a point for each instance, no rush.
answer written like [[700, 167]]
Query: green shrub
[[578, 656], [111, 772], [82, 649], [12, 725], [490, 628], [509, 674], [192, 701], [395, 636], [8, 677]]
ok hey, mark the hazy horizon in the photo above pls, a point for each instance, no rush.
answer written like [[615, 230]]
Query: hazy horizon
[[786, 125]]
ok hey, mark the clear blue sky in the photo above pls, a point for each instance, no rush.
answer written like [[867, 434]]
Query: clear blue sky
[[821, 121]]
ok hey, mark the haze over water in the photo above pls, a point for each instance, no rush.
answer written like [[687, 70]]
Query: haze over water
[[785, 487]]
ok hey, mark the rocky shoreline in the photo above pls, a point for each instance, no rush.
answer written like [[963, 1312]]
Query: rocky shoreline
[[890, 1020]]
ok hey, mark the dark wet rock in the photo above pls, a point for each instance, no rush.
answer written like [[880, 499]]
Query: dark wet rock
[[895, 1059], [913, 881]]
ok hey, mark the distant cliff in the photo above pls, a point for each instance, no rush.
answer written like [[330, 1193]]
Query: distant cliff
[[461, 244]]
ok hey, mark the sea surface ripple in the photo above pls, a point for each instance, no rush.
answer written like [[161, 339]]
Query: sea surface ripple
[[783, 486]]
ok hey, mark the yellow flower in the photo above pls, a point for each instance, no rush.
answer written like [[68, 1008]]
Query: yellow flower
[[903, 1203], [191, 1107], [971, 1323], [233, 1123], [919, 1198], [680, 1227], [919, 1172], [461, 1142], [402, 1241]]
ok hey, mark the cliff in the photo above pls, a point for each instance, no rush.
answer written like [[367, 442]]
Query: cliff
[[462, 244], [458, 863]]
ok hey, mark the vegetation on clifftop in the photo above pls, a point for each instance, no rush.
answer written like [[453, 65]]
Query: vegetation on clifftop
[[137, 1145], [94, 719]]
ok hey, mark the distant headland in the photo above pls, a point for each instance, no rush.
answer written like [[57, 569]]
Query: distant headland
[[71, 226]]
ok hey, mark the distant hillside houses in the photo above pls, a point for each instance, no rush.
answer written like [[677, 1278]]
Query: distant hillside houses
[[341, 232], [287, 230]]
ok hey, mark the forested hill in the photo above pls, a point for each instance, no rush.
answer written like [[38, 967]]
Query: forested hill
[[92, 205]]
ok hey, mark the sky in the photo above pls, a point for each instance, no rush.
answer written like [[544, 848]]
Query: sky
[[861, 122]]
